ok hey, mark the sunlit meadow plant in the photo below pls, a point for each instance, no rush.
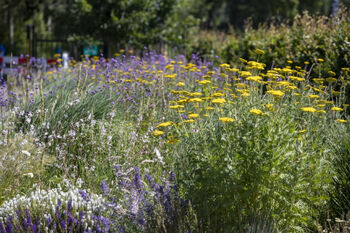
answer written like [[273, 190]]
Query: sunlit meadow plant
[[252, 142]]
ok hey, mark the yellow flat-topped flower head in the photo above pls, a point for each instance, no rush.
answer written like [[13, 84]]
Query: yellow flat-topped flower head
[[218, 101], [193, 115], [294, 78], [165, 124], [225, 65], [172, 141], [259, 51], [226, 119], [204, 82], [254, 78], [256, 111], [176, 106], [331, 80], [188, 121], [332, 73], [313, 96], [195, 100], [308, 109], [157, 133], [277, 93], [341, 120], [218, 94], [336, 109], [269, 106], [195, 94]]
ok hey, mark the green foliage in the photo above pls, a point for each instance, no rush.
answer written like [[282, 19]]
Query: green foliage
[[308, 39], [258, 164], [340, 198]]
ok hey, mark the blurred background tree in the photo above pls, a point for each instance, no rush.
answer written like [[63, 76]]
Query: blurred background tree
[[138, 23]]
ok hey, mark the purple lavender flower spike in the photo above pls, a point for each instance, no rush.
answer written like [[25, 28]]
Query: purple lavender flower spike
[[150, 180], [2, 229], [63, 224], [84, 195], [48, 221], [172, 176], [104, 188], [137, 179], [69, 207], [28, 221], [35, 227], [9, 226]]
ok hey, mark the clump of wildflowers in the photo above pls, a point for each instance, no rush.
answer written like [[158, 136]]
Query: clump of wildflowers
[[147, 205], [54, 210]]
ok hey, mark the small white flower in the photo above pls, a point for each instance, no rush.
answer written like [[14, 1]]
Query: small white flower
[[29, 174], [26, 152]]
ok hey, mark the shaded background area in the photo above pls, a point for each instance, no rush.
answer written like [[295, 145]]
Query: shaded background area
[[45, 27]]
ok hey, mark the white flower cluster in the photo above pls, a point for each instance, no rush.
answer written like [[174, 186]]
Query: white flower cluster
[[46, 203]]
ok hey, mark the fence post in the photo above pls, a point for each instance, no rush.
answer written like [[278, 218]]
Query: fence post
[[33, 41]]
